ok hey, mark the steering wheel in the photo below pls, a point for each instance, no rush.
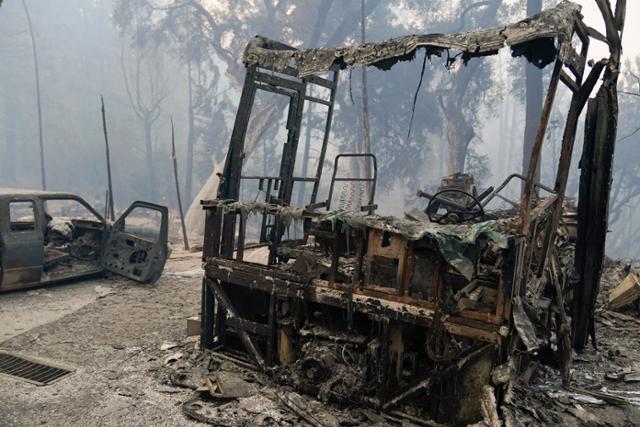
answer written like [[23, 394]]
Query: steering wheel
[[454, 212]]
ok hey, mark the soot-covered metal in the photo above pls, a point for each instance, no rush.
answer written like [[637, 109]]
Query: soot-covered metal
[[436, 312]]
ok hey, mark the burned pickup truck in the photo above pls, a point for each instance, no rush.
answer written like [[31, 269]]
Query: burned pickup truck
[[427, 311], [49, 237]]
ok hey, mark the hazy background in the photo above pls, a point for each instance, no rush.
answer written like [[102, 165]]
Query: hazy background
[[156, 59]]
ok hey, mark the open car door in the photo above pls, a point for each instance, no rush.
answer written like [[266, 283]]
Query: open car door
[[136, 247]]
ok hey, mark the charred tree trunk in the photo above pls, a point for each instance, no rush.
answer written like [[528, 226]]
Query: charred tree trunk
[[458, 129], [174, 158], [533, 79], [109, 202], [146, 98]]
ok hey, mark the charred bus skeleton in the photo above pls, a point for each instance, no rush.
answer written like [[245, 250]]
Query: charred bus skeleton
[[392, 311]]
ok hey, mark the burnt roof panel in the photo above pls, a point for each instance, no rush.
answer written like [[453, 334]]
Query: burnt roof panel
[[554, 23]]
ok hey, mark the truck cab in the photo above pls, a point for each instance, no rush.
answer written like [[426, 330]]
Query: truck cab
[[49, 237]]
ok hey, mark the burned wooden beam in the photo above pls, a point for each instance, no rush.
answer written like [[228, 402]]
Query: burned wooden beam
[[211, 248], [595, 181], [578, 101]]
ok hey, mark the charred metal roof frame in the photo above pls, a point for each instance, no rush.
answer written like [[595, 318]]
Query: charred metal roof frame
[[532, 37]]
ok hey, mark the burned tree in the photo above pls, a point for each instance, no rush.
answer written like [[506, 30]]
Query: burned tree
[[457, 99], [145, 81], [146, 98]]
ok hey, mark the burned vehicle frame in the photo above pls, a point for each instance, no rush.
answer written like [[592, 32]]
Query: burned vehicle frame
[[50, 237], [380, 310]]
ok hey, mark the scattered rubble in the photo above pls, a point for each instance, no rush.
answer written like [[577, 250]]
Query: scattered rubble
[[227, 394], [604, 389]]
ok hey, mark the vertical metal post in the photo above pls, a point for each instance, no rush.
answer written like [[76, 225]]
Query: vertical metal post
[[211, 248], [325, 140], [175, 175], [43, 174], [536, 150], [230, 182], [106, 144]]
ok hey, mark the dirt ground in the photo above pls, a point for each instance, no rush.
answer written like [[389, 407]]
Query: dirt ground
[[111, 331], [53, 303]]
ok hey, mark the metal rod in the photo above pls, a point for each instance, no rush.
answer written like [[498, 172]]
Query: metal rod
[[317, 100], [366, 130], [43, 175], [209, 310], [536, 151], [106, 144], [325, 138], [106, 204], [175, 175]]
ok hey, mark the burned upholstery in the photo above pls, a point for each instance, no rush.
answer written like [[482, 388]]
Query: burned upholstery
[[452, 240]]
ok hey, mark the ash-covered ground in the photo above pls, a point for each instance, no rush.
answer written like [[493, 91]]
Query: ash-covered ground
[[135, 365], [114, 343]]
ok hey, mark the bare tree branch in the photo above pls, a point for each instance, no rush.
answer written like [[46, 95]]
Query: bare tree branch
[[126, 84], [629, 135]]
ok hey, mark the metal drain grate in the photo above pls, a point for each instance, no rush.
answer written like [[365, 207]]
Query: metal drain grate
[[30, 370]]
